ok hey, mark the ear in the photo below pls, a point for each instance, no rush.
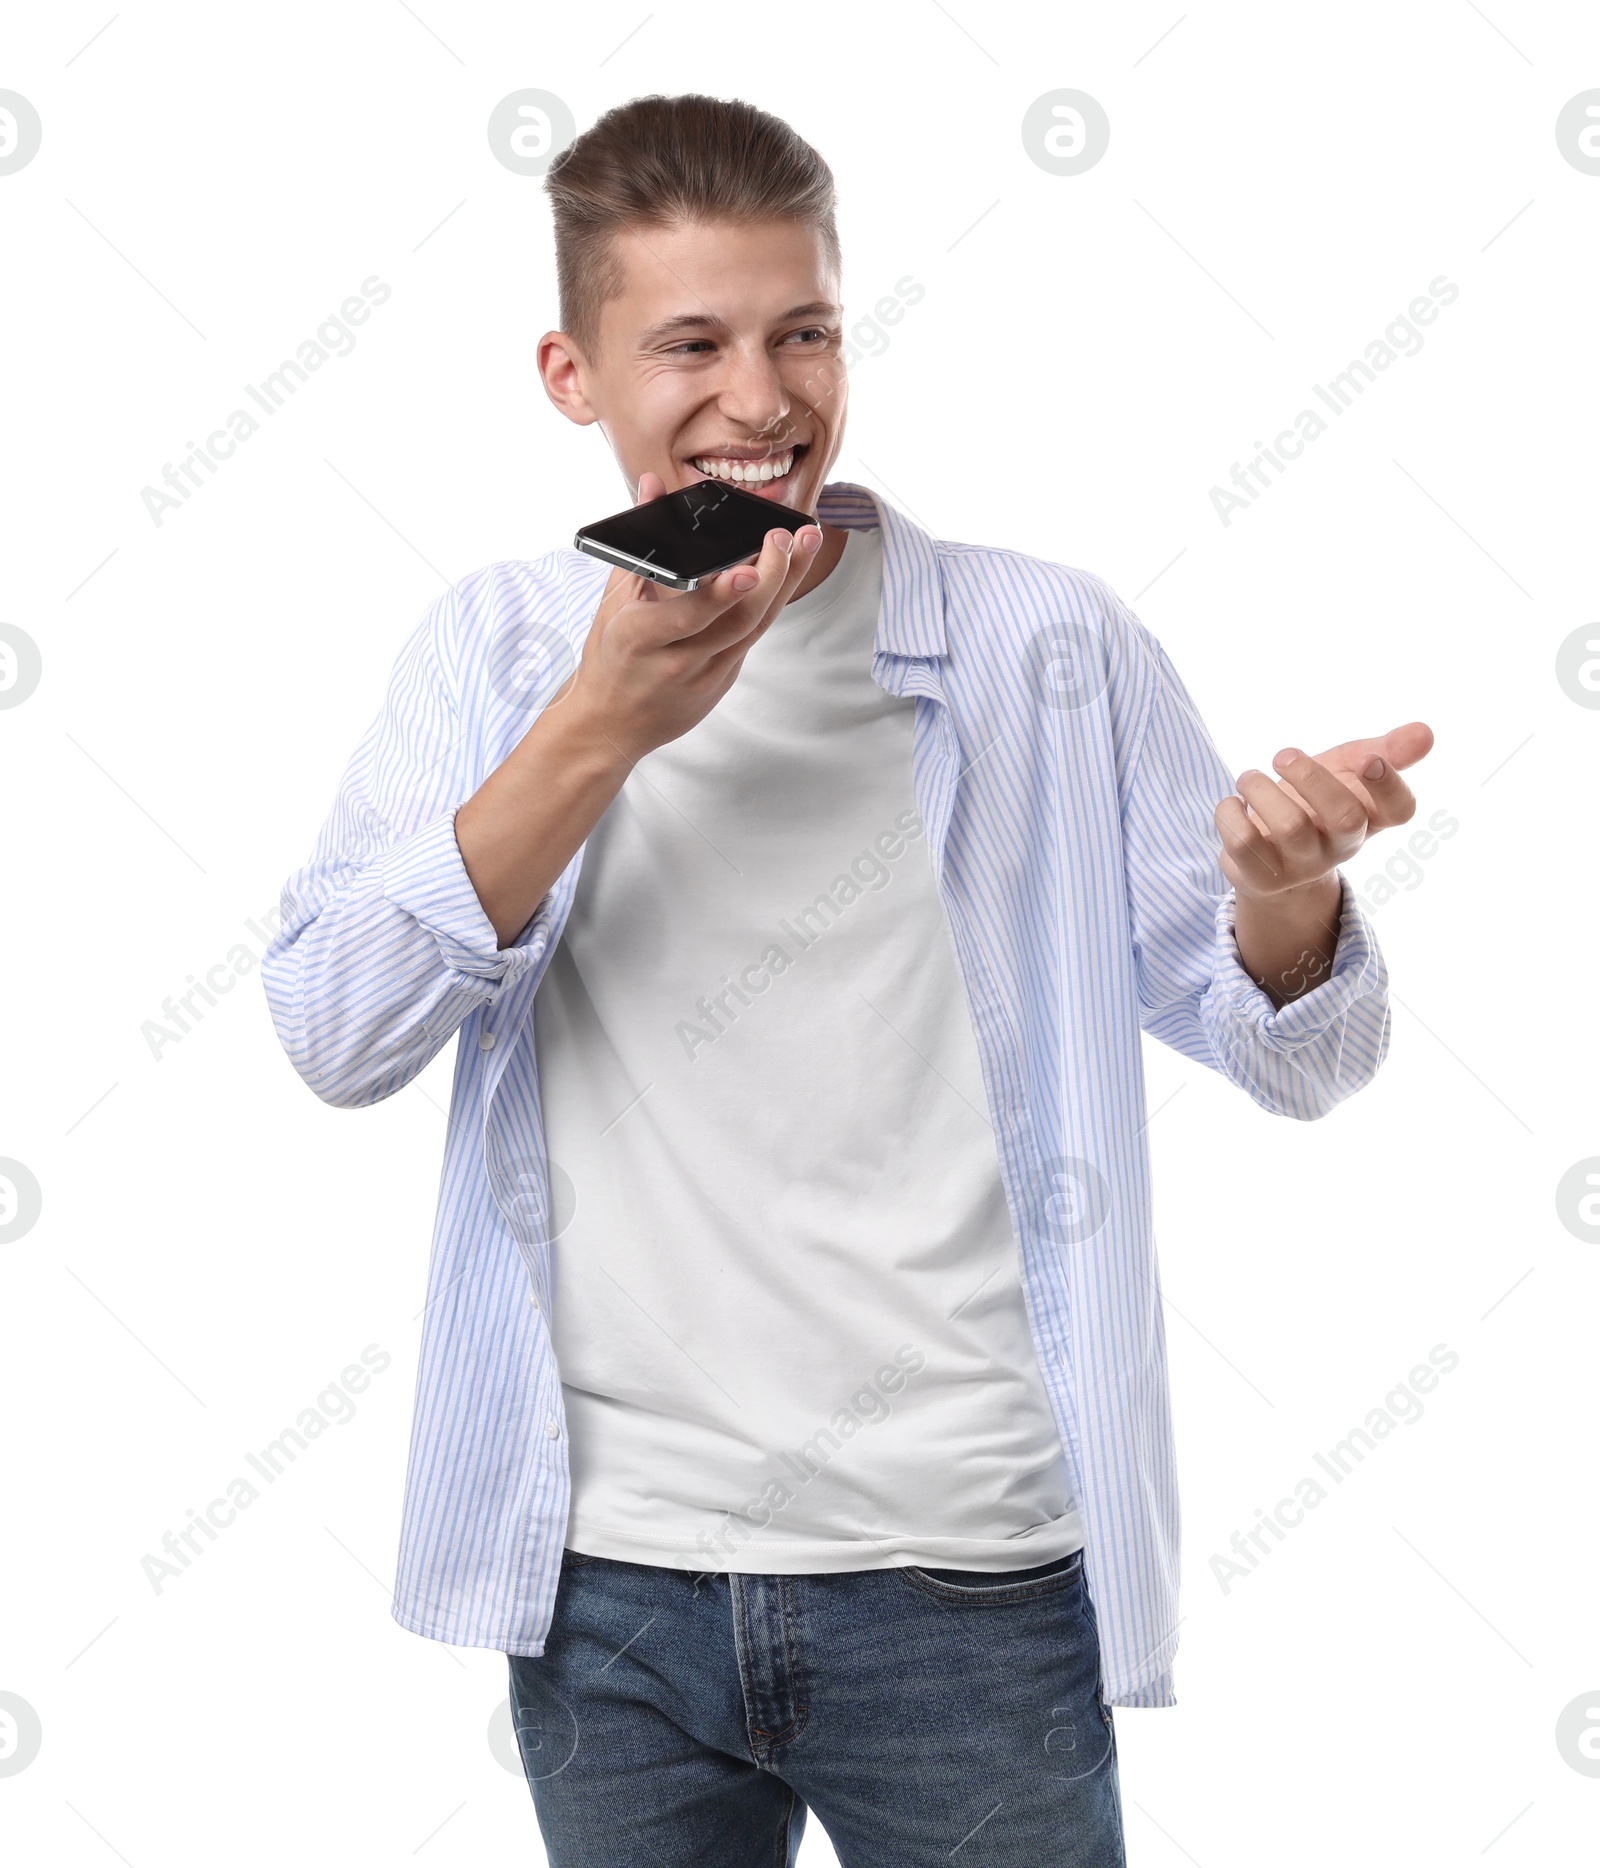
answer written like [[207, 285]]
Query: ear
[[562, 371]]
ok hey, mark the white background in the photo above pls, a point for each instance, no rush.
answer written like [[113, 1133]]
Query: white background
[[1091, 356]]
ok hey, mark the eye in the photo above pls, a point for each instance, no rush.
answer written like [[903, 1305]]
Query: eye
[[693, 343], [815, 333]]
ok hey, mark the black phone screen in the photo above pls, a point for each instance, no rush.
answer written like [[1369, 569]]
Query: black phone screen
[[696, 531]]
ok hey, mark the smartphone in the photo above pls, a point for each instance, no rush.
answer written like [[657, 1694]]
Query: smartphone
[[687, 536]]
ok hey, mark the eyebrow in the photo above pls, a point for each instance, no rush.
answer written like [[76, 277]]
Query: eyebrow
[[708, 321]]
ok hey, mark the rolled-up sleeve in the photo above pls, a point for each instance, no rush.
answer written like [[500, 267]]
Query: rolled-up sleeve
[[383, 947], [1300, 1059]]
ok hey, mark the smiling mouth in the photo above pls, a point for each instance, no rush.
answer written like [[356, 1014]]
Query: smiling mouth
[[768, 475]]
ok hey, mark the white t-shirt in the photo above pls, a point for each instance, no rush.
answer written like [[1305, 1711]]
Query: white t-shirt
[[787, 1306]]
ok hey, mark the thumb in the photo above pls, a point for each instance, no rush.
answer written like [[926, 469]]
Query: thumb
[[650, 487]]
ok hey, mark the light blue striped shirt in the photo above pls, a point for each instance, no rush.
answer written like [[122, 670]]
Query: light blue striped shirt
[[1068, 788]]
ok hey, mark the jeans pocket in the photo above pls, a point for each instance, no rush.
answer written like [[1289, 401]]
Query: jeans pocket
[[997, 1587]]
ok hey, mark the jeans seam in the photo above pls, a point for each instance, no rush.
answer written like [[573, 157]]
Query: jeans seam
[[744, 1653], [791, 1648], [781, 1858]]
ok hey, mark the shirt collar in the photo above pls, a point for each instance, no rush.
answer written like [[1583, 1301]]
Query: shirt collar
[[911, 619]]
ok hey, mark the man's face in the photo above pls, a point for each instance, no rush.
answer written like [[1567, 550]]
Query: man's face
[[719, 359]]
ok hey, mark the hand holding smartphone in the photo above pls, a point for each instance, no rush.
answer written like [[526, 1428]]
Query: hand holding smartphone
[[657, 660], [653, 665]]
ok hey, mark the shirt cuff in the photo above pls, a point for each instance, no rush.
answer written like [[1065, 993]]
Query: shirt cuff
[[1156, 1692], [1357, 972], [426, 878]]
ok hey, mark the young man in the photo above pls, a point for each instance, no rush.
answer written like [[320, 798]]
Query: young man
[[792, 1407]]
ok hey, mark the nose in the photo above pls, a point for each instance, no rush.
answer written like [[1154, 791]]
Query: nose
[[751, 392]]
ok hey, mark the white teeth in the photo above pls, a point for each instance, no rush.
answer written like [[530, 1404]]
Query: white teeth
[[745, 472]]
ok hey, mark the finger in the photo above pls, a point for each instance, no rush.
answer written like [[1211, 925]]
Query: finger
[[737, 599], [678, 614], [1409, 743], [803, 548], [1252, 856], [1342, 815], [1287, 822], [1392, 799], [682, 613], [1401, 746], [764, 605], [807, 542]]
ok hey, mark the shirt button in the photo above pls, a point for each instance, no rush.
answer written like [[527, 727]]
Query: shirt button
[[552, 1429], [485, 1040]]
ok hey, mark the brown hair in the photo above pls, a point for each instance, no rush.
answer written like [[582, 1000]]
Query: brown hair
[[661, 159]]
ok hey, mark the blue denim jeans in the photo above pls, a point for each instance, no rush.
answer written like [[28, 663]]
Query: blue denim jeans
[[927, 1716]]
